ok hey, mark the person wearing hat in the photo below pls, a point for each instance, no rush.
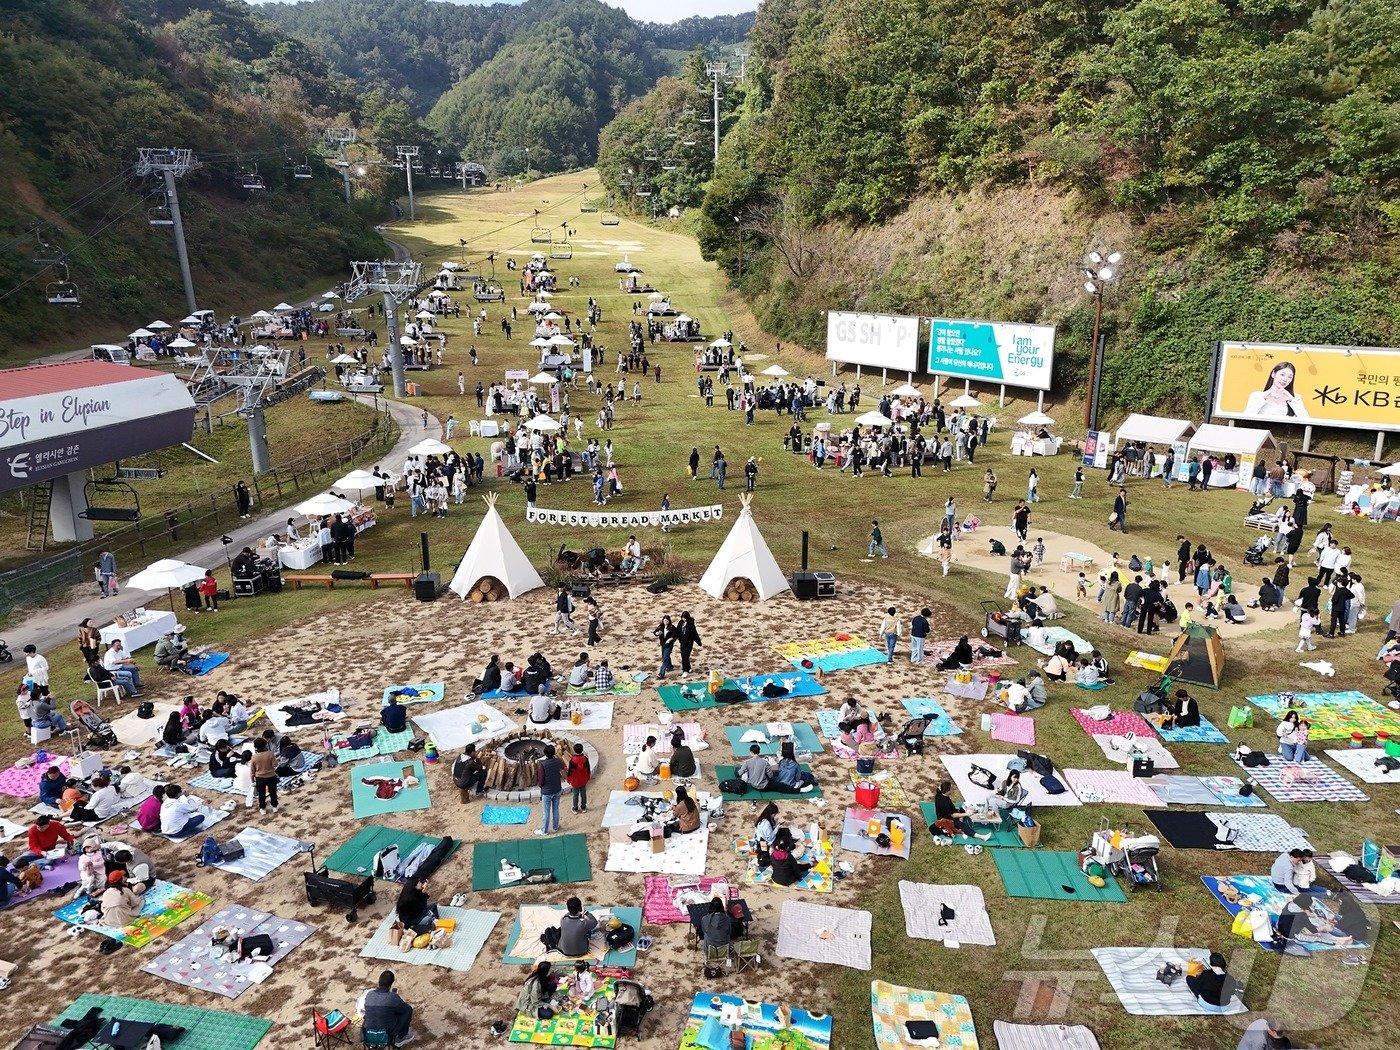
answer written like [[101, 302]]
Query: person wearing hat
[[121, 905], [171, 654]]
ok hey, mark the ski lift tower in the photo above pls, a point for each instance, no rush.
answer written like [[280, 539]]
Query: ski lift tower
[[172, 163], [396, 281], [408, 156], [340, 138], [716, 71]]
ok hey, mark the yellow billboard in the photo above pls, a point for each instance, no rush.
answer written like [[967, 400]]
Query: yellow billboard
[[1330, 386]]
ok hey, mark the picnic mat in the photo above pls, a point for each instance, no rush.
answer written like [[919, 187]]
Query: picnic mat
[[1361, 763], [1257, 892], [1312, 781], [683, 855], [923, 904], [53, 874], [833, 653], [498, 816], [1119, 723], [759, 1025], [277, 716], [620, 687], [192, 963], [1146, 661], [855, 832], [959, 766], [595, 715], [504, 694], [204, 1029], [973, 689], [1055, 635], [523, 947], [724, 773], [1334, 716], [1255, 832], [1043, 1036], [817, 880], [1366, 892], [941, 725], [418, 693], [1005, 837], [691, 696], [1202, 791], [356, 857], [201, 665], [935, 652], [208, 782], [892, 1006], [263, 853], [634, 736], [620, 812], [211, 817], [473, 927], [572, 1029], [1110, 785], [477, 722], [823, 934], [1013, 729], [133, 730], [1205, 733], [1132, 973], [380, 787], [891, 793], [829, 722], [163, 908], [565, 855], [804, 738], [10, 830], [24, 783], [660, 902], [1044, 874], [384, 744], [1121, 750]]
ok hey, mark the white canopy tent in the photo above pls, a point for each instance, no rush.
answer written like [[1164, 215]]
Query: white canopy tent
[[360, 481], [543, 423], [872, 419], [1155, 430], [494, 552], [544, 379], [1242, 441], [157, 326], [430, 446], [325, 503], [1036, 419], [776, 371], [905, 390], [166, 575], [966, 401], [744, 553]]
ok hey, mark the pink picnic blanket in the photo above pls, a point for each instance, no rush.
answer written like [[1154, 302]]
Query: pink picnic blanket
[[1120, 723], [634, 736], [1014, 729], [24, 783], [1110, 785], [660, 908]]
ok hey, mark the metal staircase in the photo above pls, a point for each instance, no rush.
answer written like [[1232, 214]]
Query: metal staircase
[[37, 535]]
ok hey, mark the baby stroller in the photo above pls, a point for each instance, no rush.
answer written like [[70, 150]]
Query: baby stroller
[[1392, 679], [99, 730], [1139, 862], [1254, 553], [631, 1004]]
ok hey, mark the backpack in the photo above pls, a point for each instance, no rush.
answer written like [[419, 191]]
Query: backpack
[[210, 853], [620, 937], [1038, 764], [386, 863], [146, 709], [734, 787], [1052, 786], [945, 915]]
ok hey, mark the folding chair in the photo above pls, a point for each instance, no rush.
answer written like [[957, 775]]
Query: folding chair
[[112, 691], [912, 735], [330, 1029], [376, 1038]]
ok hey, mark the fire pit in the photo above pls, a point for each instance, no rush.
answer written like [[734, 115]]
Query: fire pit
[[512, 762]]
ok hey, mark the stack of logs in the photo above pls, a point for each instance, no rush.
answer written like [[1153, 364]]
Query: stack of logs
[[740, 590], [507, 774], [488, 589]]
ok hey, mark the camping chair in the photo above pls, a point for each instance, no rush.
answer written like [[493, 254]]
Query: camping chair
[[330, 1029], [377, 1038], [912, 735]]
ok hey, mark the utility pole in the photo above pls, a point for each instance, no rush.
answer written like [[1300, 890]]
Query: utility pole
[[716, 71], [396, 281], [170, 163], [340, 138], [407, 155]]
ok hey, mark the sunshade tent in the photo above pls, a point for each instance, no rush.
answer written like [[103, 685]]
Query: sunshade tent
[[437, 294], [873, 419], [560, 340], [345, 359], [658, 295], [554, 315], [905, 390], [166, 575], [1242, 441], [777, 371], [718, 344], [1390, 471], [407, 340], [542, 294], [744, 554], [284, 307], [140, 333], [359, 481], [450, 265], [539, 342], [191, 319], [966, 401], [543, 379], [329, 295], [157, 326], [542, 423], [430, 447], [323, 504], [1036, 419], [180, 343], [264, 315], [494, 552], [1198, 657], [1154, 430]]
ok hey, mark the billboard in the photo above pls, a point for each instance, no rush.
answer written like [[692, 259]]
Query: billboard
[[1334, 386], [992, 351], [873, 340]]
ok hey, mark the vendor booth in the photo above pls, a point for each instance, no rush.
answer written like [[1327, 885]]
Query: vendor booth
[[1157, 434], [1245, 444]]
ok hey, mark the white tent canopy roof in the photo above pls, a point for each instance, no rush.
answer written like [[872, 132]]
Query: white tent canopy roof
[[430, 447], [359, 481], [1155, 430], [1036, 419], [544, 379], [744, 553], [872, 419], [164, 575], [543, 423], [905, 390], [493, 551], [180, 343], [966, 401], [776, 371], [1212, 437], [325, 503], [157, 326]]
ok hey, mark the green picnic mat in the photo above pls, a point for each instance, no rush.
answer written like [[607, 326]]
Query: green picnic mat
[[627, 957], [385, 743], [356, 857], [566, 855], [1042, 874], [690, 696], [366, 802], [204, 1029], [1003, 837], [803, 735], [732, 773]]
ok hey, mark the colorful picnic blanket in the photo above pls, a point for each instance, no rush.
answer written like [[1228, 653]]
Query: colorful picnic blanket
[[24, 782], [204, 663], [891, 794], [1335, 716], [1237, 892], [690, 696], [572, 1029], [835, 653], [1119, 723], [1013, 729], [418, 693], [193, 964], [621, 687], [892, 1005], [1205, 733], [759, 1022], [942, 724], [659, 908], [164, 907], [1312, 781], [937, 652]]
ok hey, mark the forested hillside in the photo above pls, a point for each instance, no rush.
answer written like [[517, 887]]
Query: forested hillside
[[89, 82], [960, 158]]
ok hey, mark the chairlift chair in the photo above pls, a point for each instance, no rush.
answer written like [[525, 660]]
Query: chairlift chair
[[643, 191], [45, 254], [160, 214], [540, 235], [250, 178], [110, 499], [435, 172], [561, 250], [668, 164], [610, 220], [302, 171]]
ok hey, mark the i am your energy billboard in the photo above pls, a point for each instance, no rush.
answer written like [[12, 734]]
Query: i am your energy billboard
[[992, 351]]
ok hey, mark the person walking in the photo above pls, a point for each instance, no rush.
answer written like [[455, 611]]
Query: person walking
[[579, 774], [665, 634], [549, 778], [919, 628], [1032, 487], [688, 638], [877, 541], [1078, 491], [209, 591], [694, 463], [721, 469], [989, 485], [889, 631], [107, 573], [1021, 520], [563, 609], [1118, 521]]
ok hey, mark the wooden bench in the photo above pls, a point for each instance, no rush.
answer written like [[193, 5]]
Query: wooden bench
[[405, 578], [296, 579]]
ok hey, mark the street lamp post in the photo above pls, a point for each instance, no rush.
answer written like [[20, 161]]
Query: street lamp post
[[740, 231], [1099, 270]]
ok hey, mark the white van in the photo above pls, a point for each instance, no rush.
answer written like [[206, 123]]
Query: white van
[[117, 355]]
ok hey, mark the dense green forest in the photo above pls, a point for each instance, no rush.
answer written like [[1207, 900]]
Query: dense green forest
[[939, 157], [88, 83]]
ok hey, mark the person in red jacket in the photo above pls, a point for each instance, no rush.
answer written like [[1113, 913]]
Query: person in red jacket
[[46, 833], [209, 588], [578, 776]]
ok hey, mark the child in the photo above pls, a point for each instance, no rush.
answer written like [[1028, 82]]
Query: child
[[28, 874], [92, 867], [1081, 587], [243, 778], [1307, 623], [583, 985], [1039, 550], [577, 777], [72, 795]]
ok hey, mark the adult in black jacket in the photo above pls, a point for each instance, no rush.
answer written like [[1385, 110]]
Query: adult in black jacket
[[688, 637], [1310, 595], [787, 870], [414, 909], [1183, 558], [1148, 608], [490, 679], [1213, 987], [343, 539]]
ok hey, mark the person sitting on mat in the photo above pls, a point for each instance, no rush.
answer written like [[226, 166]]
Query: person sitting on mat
[[648, 761], [581, 673], [765, 829], [786, 868], [1213, 987], [121, 905], [851, 711], [414, 909], [1183, 710], [947, 816], [222, 761], [543, 709], [490, 679], [683, 763], [148, 813], [961, 654], [789, 776], [576, 927], [686, 812], [537, 991], [755, 770], [394, 715]]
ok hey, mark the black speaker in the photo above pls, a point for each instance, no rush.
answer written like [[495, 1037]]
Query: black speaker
[[804, 586], [426, 586]]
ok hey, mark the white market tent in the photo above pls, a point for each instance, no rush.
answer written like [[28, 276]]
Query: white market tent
[[1155, 430], [544, 379], [494, 552], [430, 446], [966, 401], [323, 504], [1242, 441], [744, 553], [777, 371]]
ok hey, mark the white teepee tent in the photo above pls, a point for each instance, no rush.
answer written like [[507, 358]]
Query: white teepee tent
[[493, 552], [744, 553]]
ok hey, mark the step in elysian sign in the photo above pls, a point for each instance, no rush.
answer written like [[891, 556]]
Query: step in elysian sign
[[992, 351]]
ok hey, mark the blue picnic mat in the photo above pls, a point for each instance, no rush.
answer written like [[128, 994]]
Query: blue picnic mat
[[845, 661], [1205, 733], [202, 665], [803, 736], [501, 694], [941, 725], [1257, 891], [365, 799], [829, 722], [422, 693], [496, 816]]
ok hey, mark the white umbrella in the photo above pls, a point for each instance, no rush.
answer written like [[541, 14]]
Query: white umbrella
[[437, 295], [560, 340], [554, 315], [538, 308], [543, 379], [450, 265], [546, 273], [165, 575], [407, 340], [541, 343], [325, 503], [325, 308], [721, 343], [659, 295], [284, 307], [264, 315], [1037, 419], [542, 423], [542, 294], [683, 319], [873, 419], [966, 401], [260, 349], [140, 333], [345, 359], [1390, 471], [191, 319], [157, 326], [180, 343], [425, 315], [329, 295], [776, 370], [359, 481], [905, 390], [430, 447]]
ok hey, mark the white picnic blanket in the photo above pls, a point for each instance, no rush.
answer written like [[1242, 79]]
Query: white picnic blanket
[[1262, 832], [272, 711], [1119, 749], [1361, 763], [923, 901], [263, 853], [823, 934], [595, 715], [683, 855], [453, 728], [1133, 974], [473, 927], [1043, 1036], [959, 766]]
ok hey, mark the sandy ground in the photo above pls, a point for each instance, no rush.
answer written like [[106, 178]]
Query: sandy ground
[[451, 641]]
